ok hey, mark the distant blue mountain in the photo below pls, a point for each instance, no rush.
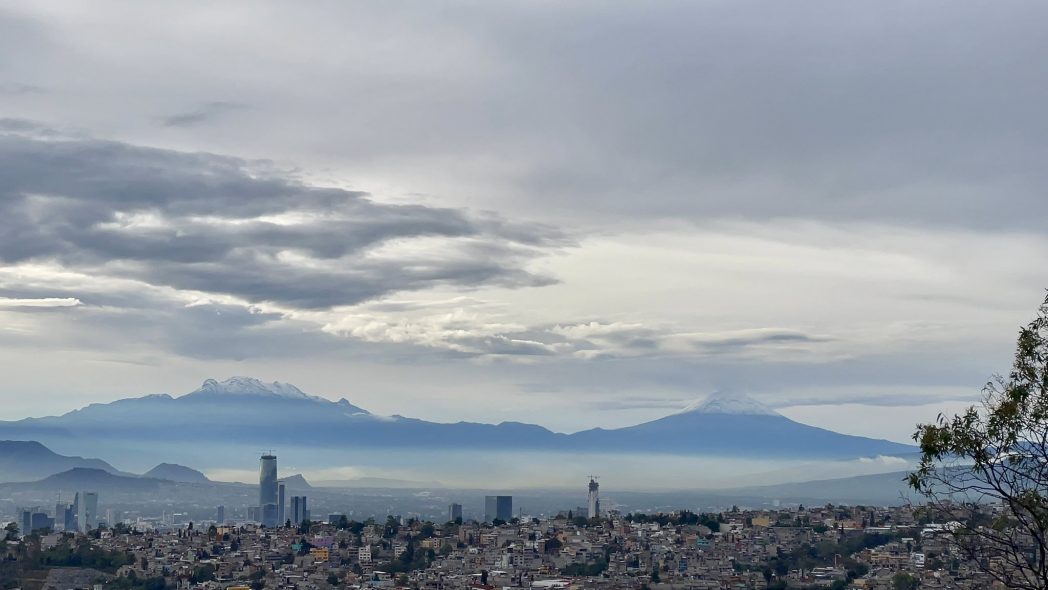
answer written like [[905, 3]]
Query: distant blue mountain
[[83, 478], [296, 483], [22, 460], [246, 411], [173, 472]]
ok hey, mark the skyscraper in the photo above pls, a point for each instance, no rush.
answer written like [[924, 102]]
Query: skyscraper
[[267, 490], [498, 507], [281, 503], [34, 519], [68, 518], [75, 509], [593, 500], [454, 512], [64, 517], [299, 510], [220, 515], [25, 520], [87, 511]]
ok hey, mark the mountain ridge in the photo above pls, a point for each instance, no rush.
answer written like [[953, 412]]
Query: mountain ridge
[[249, 412], [176, 472], [27, 460]]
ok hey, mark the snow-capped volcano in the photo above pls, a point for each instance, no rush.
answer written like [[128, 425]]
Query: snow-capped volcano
[[251, 414], [726, 403], [251, 386]]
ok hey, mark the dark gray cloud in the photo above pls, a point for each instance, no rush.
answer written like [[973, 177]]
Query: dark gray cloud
[[749, 339], [920, 114], [20, 89], [221, 225], [205, 113]]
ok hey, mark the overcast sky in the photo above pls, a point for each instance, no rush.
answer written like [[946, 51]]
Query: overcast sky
[[574, 214]]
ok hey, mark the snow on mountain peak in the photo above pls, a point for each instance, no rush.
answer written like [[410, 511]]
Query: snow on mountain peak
[[252, 386], [725, 403]]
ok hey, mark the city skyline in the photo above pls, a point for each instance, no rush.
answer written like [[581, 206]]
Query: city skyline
[[473, 295]]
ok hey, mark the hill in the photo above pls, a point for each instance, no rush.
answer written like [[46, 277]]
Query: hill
[[81, 478], [179, 473], [878, 489], [26, 460], [296, 483]]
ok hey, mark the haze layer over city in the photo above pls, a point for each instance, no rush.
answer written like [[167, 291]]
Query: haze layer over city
[[298, 270]]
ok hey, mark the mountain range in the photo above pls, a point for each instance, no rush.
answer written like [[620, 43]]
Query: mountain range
[[247, 412], [31, 461]]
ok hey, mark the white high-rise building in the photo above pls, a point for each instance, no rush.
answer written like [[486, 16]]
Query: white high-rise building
[[87, 512], [593, 500]]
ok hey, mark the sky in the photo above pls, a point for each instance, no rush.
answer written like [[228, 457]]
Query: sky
[[572, 214]]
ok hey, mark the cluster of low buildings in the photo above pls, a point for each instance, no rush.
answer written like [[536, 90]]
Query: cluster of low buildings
[[739, 549]]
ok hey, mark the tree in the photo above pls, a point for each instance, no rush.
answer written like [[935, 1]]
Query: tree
[[11, 531], [904, 581], [204, 573], [996, 453]]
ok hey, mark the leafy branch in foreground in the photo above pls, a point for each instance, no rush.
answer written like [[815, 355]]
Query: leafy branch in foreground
[[985, 471]]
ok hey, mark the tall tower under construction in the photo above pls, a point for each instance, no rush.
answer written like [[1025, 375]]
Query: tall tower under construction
[[593, 499]]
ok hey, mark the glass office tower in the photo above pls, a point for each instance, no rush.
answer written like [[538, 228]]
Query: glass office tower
[[267, 490]]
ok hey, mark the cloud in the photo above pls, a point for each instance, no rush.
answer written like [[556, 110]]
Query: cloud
[[205, 113], [19, 89], [42, 302], [221, 225], [884, 460], [475, 328]]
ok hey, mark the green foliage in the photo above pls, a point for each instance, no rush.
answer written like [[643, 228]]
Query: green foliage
[[135, 583], [822, 554], [995, 452], [411, 560], [904, 581], [684, 517], [82, 554], [585, 569], [204, 573]]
